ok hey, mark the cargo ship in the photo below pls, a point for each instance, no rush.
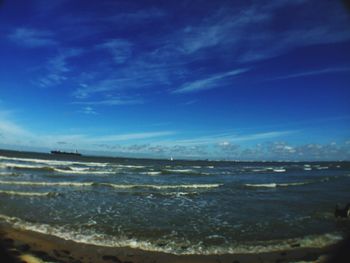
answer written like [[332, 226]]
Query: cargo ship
[[57, 152]]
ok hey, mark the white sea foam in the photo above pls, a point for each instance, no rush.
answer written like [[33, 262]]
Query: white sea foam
[[53, 162], [117, 186], [151, 173], [274, 185], [23, 166], [69, 170], [180, 170], [8, 174], [33, 183], [129, 166], [34, 194], [82, 171], [159, 187], [279, 170], [173, 247]]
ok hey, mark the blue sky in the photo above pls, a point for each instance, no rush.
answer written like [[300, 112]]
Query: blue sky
[[238, 80]]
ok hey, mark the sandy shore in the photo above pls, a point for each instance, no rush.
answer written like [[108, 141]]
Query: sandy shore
[[36, 247]]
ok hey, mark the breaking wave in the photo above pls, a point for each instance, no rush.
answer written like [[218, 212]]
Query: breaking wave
[[17, 166], [117, 186], [81, 171], [173, 246], [31, 183], [31, 194], [274, 185], [53, 162], [160, 187], [183, 171]]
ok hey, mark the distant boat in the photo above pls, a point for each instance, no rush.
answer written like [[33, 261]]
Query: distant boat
[[76, 153], [171, 158]]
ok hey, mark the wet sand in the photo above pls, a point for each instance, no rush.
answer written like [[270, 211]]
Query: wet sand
[[45, 248]]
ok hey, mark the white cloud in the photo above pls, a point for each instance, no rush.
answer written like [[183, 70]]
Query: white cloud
[[217, 146], [132, 136], [222, 28], [208, 83], [228, 138], [313, 72], [10, 129], [32, 38], [120, 49], [110, 102], [88, 110], [140, 16], [245, 34], [57, 68]]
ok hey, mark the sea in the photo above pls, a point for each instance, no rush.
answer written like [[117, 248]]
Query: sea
[[179, 207]]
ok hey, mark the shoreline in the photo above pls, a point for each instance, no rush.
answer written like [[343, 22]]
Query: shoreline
[[49, 248]]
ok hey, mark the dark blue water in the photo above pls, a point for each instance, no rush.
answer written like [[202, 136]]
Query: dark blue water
[[182, 207]]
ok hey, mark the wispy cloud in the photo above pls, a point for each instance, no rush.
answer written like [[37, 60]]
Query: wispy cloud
[[144, 71], [57, 67], [132, 136], [120, 49], [13, 134], [88, 110], [312, 73], [10, 128], [229, 35], [245, 34], [208, 83], [139, 16], [228, 137], [32, 38], [218, 146], [110, 102], [221, 29]]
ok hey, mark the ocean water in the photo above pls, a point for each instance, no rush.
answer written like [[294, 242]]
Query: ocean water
[[179, 207]]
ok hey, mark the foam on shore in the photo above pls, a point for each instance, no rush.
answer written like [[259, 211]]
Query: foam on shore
[[173, 246]]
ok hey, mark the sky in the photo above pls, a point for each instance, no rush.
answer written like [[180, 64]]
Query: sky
[[193, 79]]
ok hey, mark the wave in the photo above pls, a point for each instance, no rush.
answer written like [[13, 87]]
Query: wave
[[53, 162], [18, 166], [152, 173], [274, 185], [8, 174], [33, 194], [160, 187], [179, 170], [81, 171], [183, 171], [64, 169], [172, 246], [279, 170], [31, 183], [117, 186], [129, 166]]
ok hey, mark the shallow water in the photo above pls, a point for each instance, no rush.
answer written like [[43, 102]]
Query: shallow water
[[181, 207]]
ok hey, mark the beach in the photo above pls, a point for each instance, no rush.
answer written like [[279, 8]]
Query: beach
[[53, 249]]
